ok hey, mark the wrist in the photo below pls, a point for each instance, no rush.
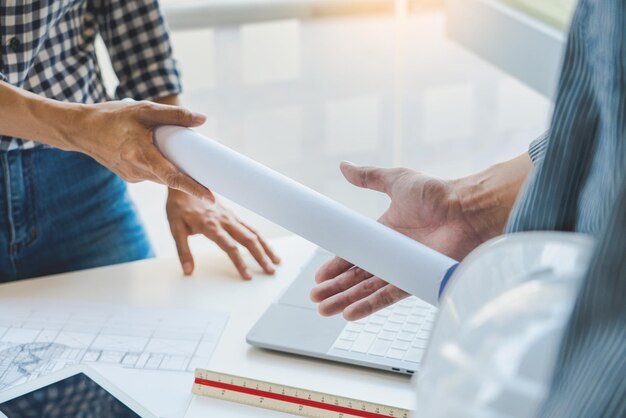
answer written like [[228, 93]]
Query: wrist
[[67, 123], [487, 198], [29, 116]]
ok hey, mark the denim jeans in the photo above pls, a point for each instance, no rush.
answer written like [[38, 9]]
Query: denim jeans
[[62, 211]]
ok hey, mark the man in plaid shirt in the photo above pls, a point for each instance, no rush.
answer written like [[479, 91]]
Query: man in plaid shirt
[[65, 144]]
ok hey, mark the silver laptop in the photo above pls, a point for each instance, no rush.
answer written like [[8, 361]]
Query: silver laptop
[[392, 339]]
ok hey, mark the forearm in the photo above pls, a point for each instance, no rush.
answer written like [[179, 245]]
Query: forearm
[[29, 116], [488, 197]]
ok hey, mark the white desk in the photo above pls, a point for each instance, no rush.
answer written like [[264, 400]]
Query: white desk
[[215, 286]]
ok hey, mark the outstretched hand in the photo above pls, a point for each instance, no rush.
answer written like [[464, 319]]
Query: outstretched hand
[[424, 208]]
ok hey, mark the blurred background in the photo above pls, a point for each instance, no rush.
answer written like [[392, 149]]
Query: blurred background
[[444, 87]]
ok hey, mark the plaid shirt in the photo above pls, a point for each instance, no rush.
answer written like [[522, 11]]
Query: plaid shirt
[[48, 48]]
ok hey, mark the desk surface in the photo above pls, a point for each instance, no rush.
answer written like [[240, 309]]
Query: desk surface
[[215, 286]]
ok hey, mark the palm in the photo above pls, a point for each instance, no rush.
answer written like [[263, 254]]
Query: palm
[[423, 208], [426, 209]]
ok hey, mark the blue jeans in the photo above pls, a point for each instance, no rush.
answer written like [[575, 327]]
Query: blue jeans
[[62, 211]]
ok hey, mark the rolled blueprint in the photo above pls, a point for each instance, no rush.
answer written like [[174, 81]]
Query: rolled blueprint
[[394, 257]]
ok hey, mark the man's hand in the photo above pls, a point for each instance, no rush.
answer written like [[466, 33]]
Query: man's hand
[[452, 217], [424, 208], [189, 216], [116, 134], [119, 136]]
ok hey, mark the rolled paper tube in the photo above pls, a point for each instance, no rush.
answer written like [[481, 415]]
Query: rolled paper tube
[[396, 258]]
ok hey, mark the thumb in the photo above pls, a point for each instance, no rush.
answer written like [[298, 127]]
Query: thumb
[[158, 114], [367, 177]]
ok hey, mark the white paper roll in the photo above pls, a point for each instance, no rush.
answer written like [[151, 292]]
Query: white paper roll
[[394, 257]]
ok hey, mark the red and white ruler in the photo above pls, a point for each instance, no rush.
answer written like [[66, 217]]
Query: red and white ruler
[[292, 400]]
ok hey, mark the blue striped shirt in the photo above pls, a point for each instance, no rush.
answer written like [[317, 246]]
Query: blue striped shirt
[[579, 184]]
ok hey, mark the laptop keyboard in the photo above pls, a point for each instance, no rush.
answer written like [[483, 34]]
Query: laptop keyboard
[[398, 332]]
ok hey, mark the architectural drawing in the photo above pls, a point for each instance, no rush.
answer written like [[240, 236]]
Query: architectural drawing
[[39, 337]]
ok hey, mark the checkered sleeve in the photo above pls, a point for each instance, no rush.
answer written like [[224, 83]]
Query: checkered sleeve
[[3, 77], [138, 43]]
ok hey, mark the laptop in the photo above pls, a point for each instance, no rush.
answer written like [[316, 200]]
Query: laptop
[[392, 339]]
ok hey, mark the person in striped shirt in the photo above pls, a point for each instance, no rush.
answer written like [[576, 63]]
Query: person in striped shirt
[[572, 179]]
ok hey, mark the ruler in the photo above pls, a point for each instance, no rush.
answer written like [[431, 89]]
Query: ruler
[[292, 400]]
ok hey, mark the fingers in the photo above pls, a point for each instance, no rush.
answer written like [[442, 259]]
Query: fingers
[[383, 297], [181, 235], [351, 290], [367, 177], [154, 114], [342, 282], [331, 269], [229, 246], [168, 174], [249, 240], [266, 247], [337, 303]]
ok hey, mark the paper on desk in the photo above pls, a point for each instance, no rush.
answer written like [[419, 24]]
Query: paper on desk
[[40, 336], [364, 242]]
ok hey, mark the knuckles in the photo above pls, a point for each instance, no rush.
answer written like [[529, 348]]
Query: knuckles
[[386, 298], [249, 240], [230, 247], [183, 116], [131, 155], [213, 225], [145, 107], [369, 286]]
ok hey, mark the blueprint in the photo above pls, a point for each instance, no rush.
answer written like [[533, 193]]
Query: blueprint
[[39, 337]]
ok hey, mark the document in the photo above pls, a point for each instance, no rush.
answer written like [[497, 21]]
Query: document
[[39, 336], [394, 257]]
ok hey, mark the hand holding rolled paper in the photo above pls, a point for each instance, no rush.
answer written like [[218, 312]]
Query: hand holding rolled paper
[[422, 207], [383, 252]]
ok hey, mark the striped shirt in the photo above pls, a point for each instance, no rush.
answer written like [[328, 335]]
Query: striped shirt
[[48, 47], [579, 184]]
